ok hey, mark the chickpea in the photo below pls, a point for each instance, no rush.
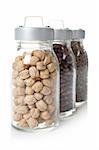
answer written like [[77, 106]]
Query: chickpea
[[51, 67], [18, 91], [47, 59], [41, 105], [40, 54], [27, 116], [40, 120], [44, 74], [48, 99], [47, 82], [21, 109], [29, 99], [38, 96], [19, 100], [31, 106], [18, 58], [45, 115], [51, 109], [46, 90], [23, 123], [37, 87], [34, 60], [19, 66], [14, 74], [32, 122], [34, 73], [40, 65], [29, 91], [53, 75], [17, 117], [24, 74], [29, 82], [50, 121], [34, 113], [20, 82]]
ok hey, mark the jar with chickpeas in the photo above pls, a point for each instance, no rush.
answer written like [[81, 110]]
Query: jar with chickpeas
[[35, 80]]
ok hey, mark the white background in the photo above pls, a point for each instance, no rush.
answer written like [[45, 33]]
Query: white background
[[79, 132]]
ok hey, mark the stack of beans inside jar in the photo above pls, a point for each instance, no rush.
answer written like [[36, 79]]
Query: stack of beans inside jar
[[62, 48], [34, 85], [81, 65], [35, 79]]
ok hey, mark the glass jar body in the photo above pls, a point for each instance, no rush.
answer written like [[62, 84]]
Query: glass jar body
[[82, 71], [35, 85], [67, 77]]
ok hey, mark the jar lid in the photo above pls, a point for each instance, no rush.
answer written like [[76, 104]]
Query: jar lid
[[34, 33], [59, 34], [68, 34], [62, 34], [78, 34]]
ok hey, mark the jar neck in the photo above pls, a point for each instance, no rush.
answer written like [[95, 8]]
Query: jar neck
[[34, 45], [79, 40], [68, 44], [61, 42]]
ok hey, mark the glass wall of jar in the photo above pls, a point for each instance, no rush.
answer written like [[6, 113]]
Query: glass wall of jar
[[82, 65], [62, 48], [35, 80]]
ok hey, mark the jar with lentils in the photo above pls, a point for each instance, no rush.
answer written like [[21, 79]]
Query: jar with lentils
[[62, 48], [81, 65], [35, 80]]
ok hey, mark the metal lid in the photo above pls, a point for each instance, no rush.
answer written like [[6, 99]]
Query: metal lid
[[34, 33], [68, 34], [78, 34], [59, 34], [62, 34]]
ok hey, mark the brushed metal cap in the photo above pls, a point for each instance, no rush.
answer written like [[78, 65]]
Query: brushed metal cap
[[59, 34], [68, 34], [62, 34], [78, 34], [34, 33]]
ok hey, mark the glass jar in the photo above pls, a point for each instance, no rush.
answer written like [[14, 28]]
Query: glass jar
[[62, 48], [82, 65], [35, 80]]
